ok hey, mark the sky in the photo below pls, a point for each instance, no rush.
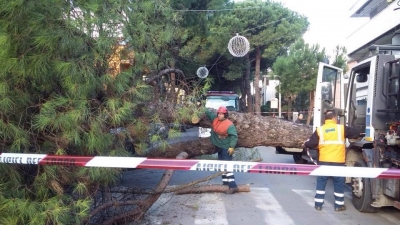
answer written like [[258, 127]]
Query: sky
[[330, 21]]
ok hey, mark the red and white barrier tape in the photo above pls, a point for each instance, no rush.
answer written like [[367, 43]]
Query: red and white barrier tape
[[200, 165]]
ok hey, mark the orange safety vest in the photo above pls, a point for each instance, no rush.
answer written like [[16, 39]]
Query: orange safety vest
[[331, 144], [221, 127]]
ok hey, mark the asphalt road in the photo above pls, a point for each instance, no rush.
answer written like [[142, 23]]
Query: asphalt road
[[273, 199]]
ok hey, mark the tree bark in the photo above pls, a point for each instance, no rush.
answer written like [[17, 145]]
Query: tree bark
[[243, 89], [311, 107], [257, 107], [252, 131], [250, 107]]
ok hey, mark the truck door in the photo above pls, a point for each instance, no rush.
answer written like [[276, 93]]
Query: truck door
[[329, 93]]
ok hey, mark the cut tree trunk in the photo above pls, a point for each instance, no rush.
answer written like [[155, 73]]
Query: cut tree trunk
[[252, 131]]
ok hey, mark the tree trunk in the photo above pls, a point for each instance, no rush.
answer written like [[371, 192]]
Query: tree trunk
[[252, 131], [172, 94], [250, 107], [311, 107], [291, 100], [243, 90], [257, 106], [289, 110]]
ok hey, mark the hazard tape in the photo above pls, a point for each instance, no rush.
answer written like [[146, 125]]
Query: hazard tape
[[199, 165]]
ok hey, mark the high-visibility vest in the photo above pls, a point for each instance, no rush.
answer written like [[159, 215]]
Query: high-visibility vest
[[331, 144]]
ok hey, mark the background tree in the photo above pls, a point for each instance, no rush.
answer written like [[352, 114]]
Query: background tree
[[340, 58], [277, 27], [298, 72], [268, 26]]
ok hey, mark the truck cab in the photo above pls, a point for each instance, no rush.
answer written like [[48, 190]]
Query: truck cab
[[372, 105]]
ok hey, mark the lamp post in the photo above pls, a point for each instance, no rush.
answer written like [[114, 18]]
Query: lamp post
[[269, 70]]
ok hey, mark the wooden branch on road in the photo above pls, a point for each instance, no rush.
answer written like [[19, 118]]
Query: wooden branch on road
[[199, 189]]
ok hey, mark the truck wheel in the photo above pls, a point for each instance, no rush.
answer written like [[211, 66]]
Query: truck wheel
[[361, 188], [298, 159]]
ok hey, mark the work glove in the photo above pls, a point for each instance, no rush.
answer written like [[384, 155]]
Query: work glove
[[195, 119], [231, 151]]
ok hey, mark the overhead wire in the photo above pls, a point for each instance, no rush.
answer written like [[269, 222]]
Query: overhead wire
[[215, 63], [236, 9], [212, 10]]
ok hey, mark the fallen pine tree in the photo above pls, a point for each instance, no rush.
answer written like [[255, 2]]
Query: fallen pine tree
[[252, 131]]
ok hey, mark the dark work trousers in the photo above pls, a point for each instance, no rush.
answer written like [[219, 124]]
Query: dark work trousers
[[338, 187], [227, 178]]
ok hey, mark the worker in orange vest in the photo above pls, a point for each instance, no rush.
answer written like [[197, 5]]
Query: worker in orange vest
[[224, 137]]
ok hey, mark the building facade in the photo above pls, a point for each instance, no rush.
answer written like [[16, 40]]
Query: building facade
[[381, 27]]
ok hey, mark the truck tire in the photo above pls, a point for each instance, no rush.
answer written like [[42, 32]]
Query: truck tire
[[361, 191], [298, 159]]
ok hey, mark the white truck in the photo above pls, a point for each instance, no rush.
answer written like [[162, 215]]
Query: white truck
[[215, 99], [330, 92], [370, 102]]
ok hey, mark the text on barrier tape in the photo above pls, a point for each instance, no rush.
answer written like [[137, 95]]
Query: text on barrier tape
[[199, 165]]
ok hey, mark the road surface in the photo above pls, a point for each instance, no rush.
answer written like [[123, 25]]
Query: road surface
[[273, 199]]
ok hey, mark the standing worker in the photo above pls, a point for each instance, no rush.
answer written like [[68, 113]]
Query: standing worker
[[224, 137], [330, 141]]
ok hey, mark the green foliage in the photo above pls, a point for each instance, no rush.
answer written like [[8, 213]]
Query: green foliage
[[58, 96], [340, 59], [298, 69], [268, 26]]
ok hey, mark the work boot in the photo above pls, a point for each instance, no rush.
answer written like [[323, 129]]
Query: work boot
[[318, 208], [341, 208], [232, 190]]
